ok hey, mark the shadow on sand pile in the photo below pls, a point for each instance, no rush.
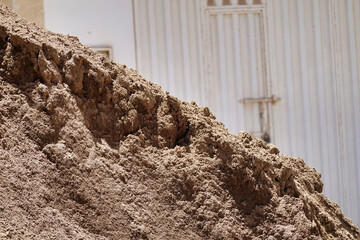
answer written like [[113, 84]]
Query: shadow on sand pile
[[90, 150]]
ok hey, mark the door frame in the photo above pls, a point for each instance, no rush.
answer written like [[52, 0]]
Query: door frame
[[261, 9]]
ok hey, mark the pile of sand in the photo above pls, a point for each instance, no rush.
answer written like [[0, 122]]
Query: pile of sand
[[90, 150]]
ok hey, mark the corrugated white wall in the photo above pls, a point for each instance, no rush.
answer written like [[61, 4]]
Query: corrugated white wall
[[307, 52], [168, 46], [314, 57]]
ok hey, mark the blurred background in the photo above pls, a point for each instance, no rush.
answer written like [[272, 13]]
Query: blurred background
[[286, 70]]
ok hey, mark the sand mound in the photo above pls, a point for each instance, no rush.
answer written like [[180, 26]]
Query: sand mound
[[90, 150]]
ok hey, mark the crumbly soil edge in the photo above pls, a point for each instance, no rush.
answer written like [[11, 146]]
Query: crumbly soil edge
[[91, 150]]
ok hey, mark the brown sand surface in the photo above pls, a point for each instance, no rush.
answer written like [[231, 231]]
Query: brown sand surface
[[91, 150]]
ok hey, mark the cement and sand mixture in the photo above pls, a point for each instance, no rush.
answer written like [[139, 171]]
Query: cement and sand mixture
[[91, 150]]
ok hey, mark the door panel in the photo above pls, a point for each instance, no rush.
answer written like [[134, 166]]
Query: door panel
[[236, 73]]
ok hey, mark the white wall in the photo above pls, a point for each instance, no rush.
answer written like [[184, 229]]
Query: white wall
[[169, 48], [312, 54], [97, 23]]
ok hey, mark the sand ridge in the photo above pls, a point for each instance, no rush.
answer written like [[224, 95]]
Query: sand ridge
[[91, 150]]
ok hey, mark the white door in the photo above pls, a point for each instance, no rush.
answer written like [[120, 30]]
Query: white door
[[236, 68]]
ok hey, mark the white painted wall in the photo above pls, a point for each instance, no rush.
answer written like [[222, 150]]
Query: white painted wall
[[169, 47], [97, 23], [208, 53]]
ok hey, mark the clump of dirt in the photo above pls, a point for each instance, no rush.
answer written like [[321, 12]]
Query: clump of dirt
[[91, 150]]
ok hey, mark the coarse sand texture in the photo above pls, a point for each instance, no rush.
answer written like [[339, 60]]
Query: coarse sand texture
[[91, 150]]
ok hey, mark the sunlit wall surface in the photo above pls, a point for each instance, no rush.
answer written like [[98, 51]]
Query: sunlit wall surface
[[97, 23]]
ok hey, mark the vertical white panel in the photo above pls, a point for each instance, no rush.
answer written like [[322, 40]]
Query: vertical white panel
[[356, 16], [330, 176], [304, 82], [214, 85], [221, 53], [195, 52], [142, 39], [153, 42], [178, 54], [240, 123], [277, 63], [320, 93], [169, 47], [355, 166], [339, 99], [289, 82], [246, 87], [161, 55], [231, 84], [253, 73], [200, 53], [185, 50], [348, 160], [169, 51]]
